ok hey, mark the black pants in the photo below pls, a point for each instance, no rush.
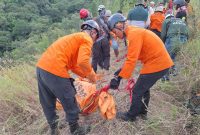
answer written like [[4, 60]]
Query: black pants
[[141, 91], [101, 54], [51, 87]]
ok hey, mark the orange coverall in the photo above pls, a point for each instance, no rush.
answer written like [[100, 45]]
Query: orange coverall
[[145, 46], [157, 20], [71, 52]]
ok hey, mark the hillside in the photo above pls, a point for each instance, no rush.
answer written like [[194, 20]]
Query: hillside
[[27, 31]]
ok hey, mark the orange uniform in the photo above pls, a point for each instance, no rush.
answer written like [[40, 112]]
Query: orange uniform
[[145, 46], [157, 20], [71, 52]]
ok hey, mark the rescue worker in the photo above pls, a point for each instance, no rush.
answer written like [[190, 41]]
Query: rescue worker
[[181, 9], [101, 48], [107, 15], [139, 15], [150, 12], [84, 14], [174, 34], [156, 20], [113, 40], [152, 5], [145, 46], [170, 7], [68, 53]]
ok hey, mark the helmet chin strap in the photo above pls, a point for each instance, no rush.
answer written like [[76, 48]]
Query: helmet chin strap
[[124, 34], [121, 29], [125, 42], [92, 37]]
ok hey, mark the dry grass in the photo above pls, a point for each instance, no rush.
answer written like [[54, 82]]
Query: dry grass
[[18, 98], [21, 112]]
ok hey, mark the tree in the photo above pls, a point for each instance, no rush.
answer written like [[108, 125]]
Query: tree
[[21, 30]]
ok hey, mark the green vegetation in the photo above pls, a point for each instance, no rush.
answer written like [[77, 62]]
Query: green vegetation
[[27, 27]]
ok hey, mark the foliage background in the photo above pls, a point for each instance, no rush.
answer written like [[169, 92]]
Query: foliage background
[[27, 27]]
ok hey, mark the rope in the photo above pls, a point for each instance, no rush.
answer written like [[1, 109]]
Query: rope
[[93, 101], [129, 87]]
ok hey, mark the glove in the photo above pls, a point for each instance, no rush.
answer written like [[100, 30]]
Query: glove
[[117, 72], [92, 77], [114, 83]]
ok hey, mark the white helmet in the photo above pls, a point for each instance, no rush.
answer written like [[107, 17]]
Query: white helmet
[[159, 9], [108, 13], [152, 2], [101, 7]]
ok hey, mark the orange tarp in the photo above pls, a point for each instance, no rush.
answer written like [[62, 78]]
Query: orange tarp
[[89, 100]]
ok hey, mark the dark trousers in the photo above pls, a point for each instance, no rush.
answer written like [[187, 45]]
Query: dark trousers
[[101, 54], [141, 91], [174, 44], [51, 87]]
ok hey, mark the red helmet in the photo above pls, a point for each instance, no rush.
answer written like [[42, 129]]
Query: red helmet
[[84, 13]]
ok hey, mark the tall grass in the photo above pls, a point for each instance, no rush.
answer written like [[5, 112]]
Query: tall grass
[[18, 98]]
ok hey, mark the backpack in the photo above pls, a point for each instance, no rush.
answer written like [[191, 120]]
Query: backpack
[[104, 30], [175, 27]]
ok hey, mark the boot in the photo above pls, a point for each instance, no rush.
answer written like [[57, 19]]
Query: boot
[[143, 116], [174, 71], [55, 131], [54, 128], [125, 117], [75, 129], [165, 78]]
